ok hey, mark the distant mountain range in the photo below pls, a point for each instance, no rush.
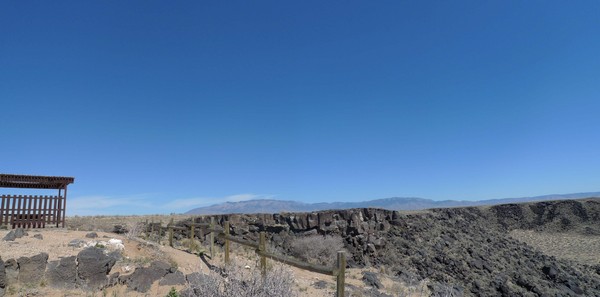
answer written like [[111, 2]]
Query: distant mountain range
[[395, 203]]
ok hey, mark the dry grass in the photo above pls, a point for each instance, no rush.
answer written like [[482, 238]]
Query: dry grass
[[571, 246], [238, 281], [317, 249], [107, 223]]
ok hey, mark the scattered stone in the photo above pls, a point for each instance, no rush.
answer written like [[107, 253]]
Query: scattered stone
[[20, 232], [14, 234], [10, 236], [550, 272], [31, 269], [62, 273], [321, 284], [38, 236], [76, 243], [120, 229], [93, 267], [371, 279], [91, 235]]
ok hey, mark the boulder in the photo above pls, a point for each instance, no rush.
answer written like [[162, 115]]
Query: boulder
[[371, 280], [11, 269], [142, 278], [93, 267], [91, 235], [31, 269], [20, 232], [173, 279], [76, 243], [14, 234], [194, 278], [120, 229], [2, 277], [62, 273], [10, 236]]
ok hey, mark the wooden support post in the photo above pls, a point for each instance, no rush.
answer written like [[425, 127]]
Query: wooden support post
[[212, 237], [262, 247], [341, 277], [64, 208], [171, 233], [226, 227]]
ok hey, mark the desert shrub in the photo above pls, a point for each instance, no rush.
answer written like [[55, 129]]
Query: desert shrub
[[317, 249], [238, 281], [134, 229], [172, 293]]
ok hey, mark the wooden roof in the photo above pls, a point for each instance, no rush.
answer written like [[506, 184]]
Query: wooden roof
[[34, 181]]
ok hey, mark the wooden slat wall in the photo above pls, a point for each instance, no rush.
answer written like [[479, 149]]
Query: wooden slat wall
[[31, 211]]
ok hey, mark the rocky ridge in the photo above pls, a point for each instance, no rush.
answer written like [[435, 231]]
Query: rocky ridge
[[467, 249]]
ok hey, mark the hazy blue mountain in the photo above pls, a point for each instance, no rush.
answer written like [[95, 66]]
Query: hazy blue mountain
[[395, 203]]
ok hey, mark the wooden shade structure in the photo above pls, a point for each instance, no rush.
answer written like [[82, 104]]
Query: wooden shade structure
[[33, 211]]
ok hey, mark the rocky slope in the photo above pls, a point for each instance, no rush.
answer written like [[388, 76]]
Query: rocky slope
[[467, 249]]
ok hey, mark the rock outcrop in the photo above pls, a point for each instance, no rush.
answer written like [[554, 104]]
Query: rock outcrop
[[466, 251]]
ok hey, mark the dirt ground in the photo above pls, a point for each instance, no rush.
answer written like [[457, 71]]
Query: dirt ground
[[138, 252]]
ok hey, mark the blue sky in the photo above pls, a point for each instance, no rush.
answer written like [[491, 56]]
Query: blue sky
[[159, 107]]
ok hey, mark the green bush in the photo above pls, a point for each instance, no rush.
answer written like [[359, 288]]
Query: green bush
[[173, 293]]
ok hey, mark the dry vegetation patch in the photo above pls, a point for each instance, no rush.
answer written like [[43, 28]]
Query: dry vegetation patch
[[570, 246]]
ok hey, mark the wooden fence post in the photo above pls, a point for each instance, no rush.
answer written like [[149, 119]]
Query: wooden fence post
[[226, 227], [192, 241], [171, 235], [341, 277], [146, 229], [262, 247], [201, 234], [212, 237], [159, 231]]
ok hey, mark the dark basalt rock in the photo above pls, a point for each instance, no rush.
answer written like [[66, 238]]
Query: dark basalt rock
[[91, 235], [462, 251], [14, 234], [93, 267], [142, 278], [370, 279], [173, 279], [62, 273], [31, 269], [3, 281]]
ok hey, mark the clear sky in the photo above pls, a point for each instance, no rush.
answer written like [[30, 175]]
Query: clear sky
[[159, 107]]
